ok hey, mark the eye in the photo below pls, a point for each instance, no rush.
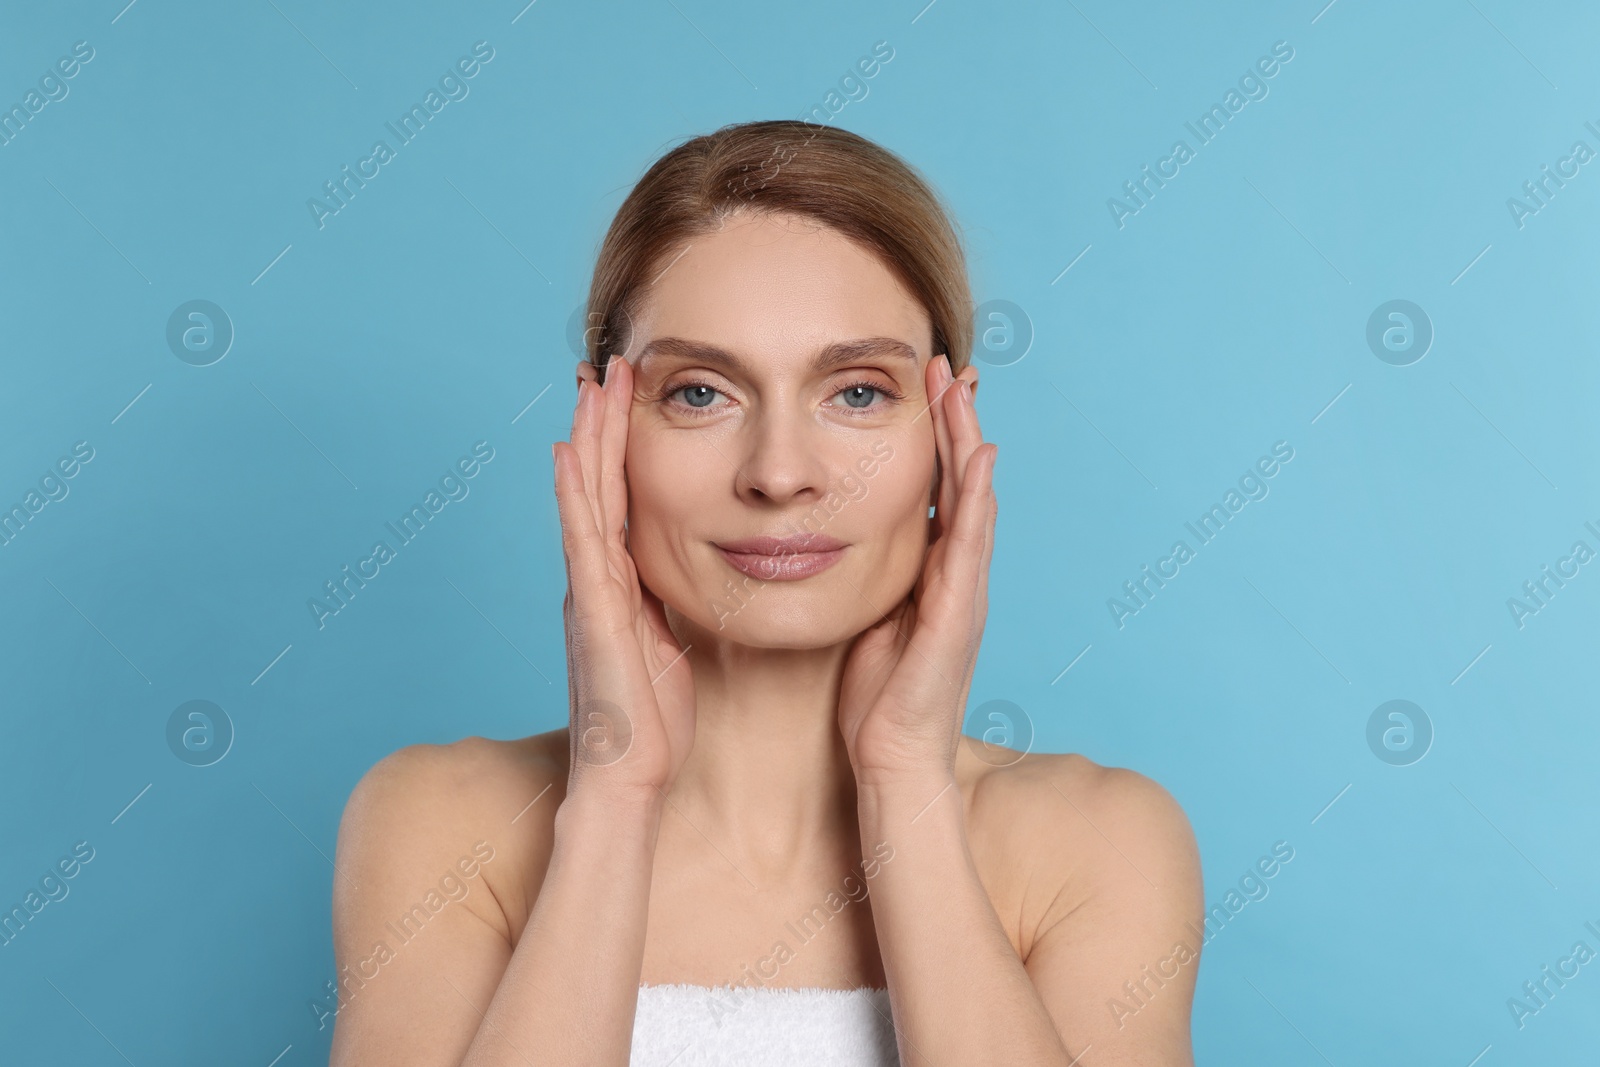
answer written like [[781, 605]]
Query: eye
[[697, 396], [858, 397], [693, 397]]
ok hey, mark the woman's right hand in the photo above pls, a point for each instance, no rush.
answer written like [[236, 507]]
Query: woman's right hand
[[630, 689]]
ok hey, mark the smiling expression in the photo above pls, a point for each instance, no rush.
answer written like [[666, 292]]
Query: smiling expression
[[779, 393]]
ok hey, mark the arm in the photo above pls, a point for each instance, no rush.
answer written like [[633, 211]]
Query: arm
[[958, 990], [1109, 975], [446, 986], [406, 827], [1116, 961], [564, 990], [569, 993]]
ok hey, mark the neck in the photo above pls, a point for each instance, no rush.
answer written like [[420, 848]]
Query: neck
[[768, 779]]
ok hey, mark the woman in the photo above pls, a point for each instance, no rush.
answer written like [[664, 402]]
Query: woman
[[763, 818]]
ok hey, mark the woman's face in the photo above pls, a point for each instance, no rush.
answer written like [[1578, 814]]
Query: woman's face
[[779, 392]]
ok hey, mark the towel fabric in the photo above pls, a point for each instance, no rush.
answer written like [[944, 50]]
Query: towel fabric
[[701, 1026]]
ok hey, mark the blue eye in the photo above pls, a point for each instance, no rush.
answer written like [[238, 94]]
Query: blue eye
[[869, 397], [853, 393], [704, 391], [694, 397], [863, 397]]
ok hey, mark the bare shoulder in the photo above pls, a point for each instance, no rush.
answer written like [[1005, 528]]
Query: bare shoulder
[[1035, 791], [427, 806], [1062, 831], [1098, 874], [441, 849]]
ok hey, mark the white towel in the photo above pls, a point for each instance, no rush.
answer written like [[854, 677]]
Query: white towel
[[700, 1026]]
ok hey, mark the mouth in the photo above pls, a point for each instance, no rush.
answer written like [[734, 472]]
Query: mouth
[[782, 559]]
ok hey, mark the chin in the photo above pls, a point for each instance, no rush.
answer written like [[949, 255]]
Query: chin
[[754, 631], [778, 615]]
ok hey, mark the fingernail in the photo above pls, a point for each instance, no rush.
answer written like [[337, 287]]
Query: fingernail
[[948, 377]]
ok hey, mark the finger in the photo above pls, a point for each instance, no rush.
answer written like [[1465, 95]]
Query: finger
[[965, 434], [945, 500], [654, 612], [586, 442], [994, 515], [971, 534], [580, 541], [614, 448]]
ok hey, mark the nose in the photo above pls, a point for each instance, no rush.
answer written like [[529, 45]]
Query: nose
[[784, 458]]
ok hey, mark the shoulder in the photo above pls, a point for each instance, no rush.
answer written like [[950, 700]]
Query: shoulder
[[476, 768], [1114, 799], [431, 788], [1079, 834], [441, 849], [1108, 898], [1034, 790], [427, 806]]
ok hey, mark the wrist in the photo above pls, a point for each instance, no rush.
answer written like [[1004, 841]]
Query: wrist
[[902, 761], [595, 797], [897, 787], [604, 846], [908, 774]]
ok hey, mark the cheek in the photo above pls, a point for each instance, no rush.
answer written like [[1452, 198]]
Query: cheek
[[893, 512], [666, 501], [679, 497]]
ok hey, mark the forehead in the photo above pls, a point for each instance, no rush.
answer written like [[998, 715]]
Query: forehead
[[778, 287]]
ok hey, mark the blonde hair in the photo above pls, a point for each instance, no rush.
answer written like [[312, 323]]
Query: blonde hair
[[822, 173]]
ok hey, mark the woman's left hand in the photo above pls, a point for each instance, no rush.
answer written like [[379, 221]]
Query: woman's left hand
[[903, 696]]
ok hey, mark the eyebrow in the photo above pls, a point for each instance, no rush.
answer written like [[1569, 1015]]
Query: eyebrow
[[836, 354]]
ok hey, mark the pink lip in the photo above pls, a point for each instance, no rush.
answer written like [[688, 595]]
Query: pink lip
[[782, 559], [778, 546]]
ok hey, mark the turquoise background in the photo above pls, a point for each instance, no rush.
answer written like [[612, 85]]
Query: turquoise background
[[1228, 314]]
